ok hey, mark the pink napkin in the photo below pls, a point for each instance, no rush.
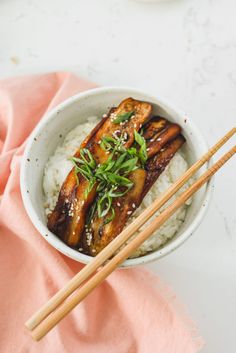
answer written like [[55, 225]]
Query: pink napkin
[[131, 312]]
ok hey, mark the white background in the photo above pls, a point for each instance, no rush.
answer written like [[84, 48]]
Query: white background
[[182, 50]]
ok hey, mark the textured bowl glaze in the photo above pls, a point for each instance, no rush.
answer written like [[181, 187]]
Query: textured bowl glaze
[[51, 130]]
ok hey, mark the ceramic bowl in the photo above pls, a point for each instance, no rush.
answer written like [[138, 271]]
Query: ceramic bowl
[[49, 133]]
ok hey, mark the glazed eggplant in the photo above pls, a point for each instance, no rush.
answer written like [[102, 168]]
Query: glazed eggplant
[[68, 218], [126, 152]]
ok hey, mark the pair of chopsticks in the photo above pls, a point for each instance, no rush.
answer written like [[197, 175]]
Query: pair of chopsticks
[[106, 262]]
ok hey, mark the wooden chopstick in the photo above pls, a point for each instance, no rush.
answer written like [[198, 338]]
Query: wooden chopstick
[[109, 250], [125, 252]]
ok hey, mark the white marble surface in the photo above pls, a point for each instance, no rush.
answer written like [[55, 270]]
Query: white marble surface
[[184, 50]]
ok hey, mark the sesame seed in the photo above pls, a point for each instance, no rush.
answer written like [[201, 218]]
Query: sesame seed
[[78, 218], [135, 125], [148, 149], [129, 212], [159, 139], [73, 233], [162, 149], [133, 205], [118, 204], [93, 250], [99, 142], [81, 249], [151, 140], [104, 115], [89, 239]]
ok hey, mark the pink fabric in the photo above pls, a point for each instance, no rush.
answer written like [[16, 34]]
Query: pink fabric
[[131, 312]]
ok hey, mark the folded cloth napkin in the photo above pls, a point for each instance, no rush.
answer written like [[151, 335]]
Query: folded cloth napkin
[[131, 312]]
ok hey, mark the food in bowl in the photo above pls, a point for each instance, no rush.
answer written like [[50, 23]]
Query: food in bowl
[[107, 171]]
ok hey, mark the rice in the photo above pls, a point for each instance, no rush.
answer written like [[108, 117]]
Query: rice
[[58, 167]]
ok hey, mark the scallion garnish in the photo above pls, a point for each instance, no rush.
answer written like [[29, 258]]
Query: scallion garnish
[[111, 178], [142, 153], [123, 117]]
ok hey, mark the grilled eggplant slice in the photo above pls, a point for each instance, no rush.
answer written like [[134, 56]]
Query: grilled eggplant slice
[[98, 234], [68, 218]]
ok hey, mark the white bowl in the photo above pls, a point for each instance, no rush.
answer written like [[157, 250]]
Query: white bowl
[[49, 133]]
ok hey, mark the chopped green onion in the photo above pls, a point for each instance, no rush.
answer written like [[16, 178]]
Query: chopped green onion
[[123, 117], [109, 219], [143, 147], [111, 178]]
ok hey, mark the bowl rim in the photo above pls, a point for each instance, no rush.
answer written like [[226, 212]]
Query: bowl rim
[[74, 254]]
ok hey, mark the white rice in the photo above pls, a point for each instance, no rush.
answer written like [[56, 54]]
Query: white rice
[[58, 166]]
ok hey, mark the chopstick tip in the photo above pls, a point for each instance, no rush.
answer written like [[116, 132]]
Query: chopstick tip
[[29, 325], [35, 337]]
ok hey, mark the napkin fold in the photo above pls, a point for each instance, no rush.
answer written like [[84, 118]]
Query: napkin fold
[[131, 312]]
